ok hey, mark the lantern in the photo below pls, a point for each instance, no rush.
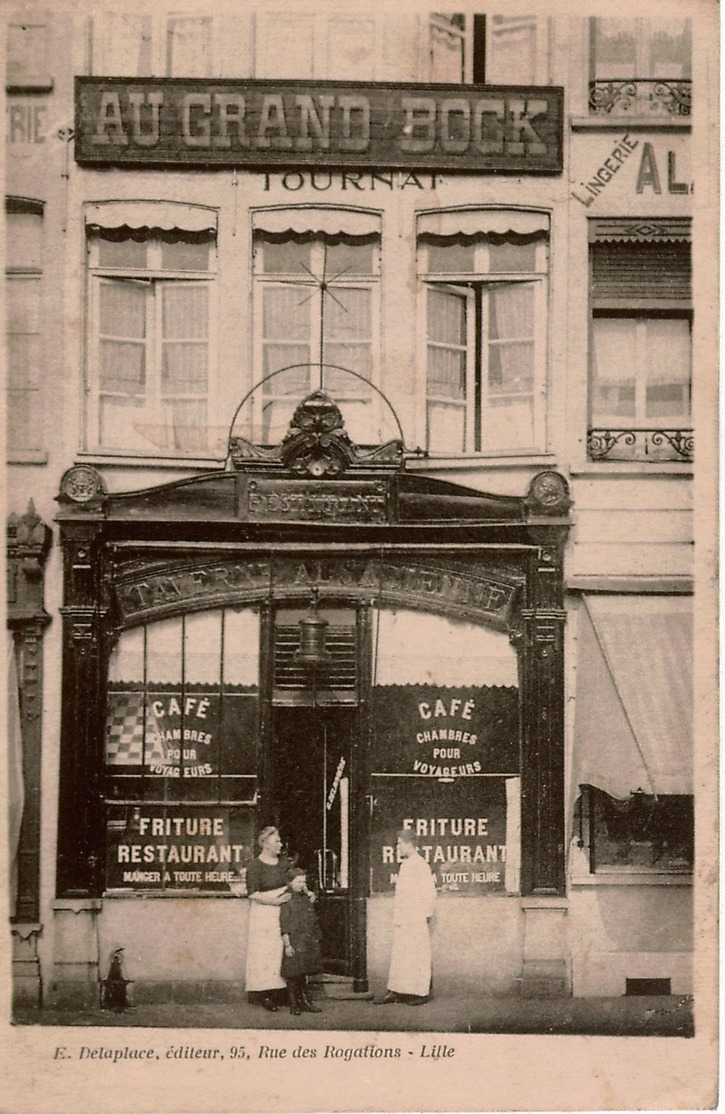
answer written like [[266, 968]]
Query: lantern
[[313, 628]]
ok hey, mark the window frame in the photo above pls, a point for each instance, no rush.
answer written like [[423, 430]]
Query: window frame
[[478, 281], [610, 107], [155, 278], [589, 804], [155, 24], [607, 305], [261, 281], [16, 272]]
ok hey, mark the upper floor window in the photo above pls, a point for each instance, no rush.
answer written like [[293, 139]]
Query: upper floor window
[[446, 48], [23, 322], [640, 340], [27, 54], [138, 44], [516, 50], [317, 316], [640, 67], [151, 311], [484, 278]]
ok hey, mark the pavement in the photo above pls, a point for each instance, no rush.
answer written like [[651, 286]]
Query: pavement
[[645, 1016]]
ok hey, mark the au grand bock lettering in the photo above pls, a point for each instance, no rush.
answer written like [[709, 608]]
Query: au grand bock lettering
[[310, 123]]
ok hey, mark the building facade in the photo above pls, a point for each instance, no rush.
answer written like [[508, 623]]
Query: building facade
[[358, 431]]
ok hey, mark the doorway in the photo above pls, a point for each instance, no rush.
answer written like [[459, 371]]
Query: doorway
[[312, 781]]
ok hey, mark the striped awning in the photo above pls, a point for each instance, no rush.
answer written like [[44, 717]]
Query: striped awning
[[482, 222], [165, 215], [317, 220], [634, 703]]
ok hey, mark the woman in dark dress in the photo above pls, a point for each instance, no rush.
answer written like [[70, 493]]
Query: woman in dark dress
[[267, 891]]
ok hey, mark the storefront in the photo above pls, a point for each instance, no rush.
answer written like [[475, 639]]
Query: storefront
[[290, 641]]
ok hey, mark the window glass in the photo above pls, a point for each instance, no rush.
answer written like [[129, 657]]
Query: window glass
[[446, 41], [122, 44], [185, 255], [23, 241], [149, 357], [511, 257], [126, 252], [351, 49], [316, 306], [182, 728], [644, 832], [511, 55], [26, 51], [501, 407], [613, 350], [450, 258], [615, 48], [188, 45]]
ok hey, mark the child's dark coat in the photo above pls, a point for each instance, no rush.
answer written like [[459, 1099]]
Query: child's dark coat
[[298, 920]]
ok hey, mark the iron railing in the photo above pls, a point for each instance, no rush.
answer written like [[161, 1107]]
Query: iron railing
[[647, 445], [640, 97]]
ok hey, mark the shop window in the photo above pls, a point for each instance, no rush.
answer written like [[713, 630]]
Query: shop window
[[27, 55], [316, 322], [180, 751], [150, 351], [444, 758], [516, 50], [24, 330], [640, 341], [485, 309], [643, 832], [640, 67]]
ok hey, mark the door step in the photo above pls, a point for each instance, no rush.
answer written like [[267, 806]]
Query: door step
[[339, 988]]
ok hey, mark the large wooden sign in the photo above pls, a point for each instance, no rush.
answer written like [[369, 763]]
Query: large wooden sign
[[486, 129]]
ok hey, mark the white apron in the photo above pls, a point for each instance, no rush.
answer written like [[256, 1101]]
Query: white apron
[[264, 948], [410, 960]]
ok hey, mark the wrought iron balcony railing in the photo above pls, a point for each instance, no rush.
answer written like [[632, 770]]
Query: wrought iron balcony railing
[[647, 445], [640, 97]]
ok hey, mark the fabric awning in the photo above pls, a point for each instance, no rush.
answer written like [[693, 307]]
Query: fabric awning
[[317, 219], [481, 222], [166, 215], [634, 695]]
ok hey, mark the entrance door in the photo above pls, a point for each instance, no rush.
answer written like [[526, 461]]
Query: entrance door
[[311, 750]]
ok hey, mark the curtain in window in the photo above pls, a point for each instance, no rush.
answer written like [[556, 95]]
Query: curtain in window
[[510, 420], [615, 49], [447, 354], [511, 52], [668, 369], [445, 51], [613, 367]]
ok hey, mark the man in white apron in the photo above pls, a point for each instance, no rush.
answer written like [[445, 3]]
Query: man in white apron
[[415, 894]]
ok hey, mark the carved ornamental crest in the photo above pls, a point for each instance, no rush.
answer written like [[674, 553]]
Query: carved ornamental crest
[[316, 445]]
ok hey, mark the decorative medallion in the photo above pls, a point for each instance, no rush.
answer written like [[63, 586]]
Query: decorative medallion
[[548, 494], [82, 485]]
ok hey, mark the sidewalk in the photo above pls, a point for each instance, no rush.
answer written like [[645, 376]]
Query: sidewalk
[[633, 1016]]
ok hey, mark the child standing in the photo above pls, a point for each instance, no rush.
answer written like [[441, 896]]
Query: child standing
[[301, 939]]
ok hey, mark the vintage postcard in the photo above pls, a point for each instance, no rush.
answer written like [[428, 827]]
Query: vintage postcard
[[361, 609]]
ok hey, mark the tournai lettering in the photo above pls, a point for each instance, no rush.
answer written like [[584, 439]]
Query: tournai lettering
[[316, 124]]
